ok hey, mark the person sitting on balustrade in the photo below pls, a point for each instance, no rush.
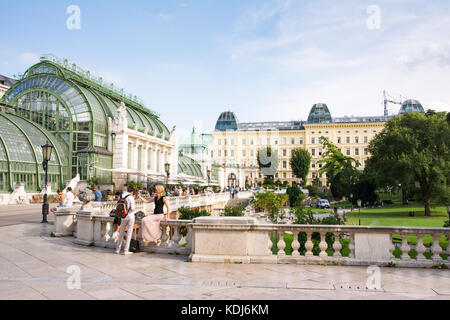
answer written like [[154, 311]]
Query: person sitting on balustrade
[[151, 230]]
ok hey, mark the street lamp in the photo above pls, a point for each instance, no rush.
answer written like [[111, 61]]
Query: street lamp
[[359, 214], [167, 168], [208, 173], [47, 155]]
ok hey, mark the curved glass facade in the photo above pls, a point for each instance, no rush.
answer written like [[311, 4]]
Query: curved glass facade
[[189, 166], [21, 155], [74, 109]]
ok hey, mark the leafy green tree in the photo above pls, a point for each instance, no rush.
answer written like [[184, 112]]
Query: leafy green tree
[[341, 170], [413, 151], [300, 163], [267, 161], [365, 187], [271, 203]]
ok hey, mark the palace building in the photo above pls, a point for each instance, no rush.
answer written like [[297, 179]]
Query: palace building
[[235, 144], [98, 132]]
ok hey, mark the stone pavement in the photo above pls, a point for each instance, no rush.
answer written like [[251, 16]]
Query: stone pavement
[[34, 265]]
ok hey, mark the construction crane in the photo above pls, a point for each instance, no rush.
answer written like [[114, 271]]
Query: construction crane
[[389, 99]]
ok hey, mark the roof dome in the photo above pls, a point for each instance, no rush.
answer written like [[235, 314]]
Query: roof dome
[[227, 121], [411, 106], [319, 114]]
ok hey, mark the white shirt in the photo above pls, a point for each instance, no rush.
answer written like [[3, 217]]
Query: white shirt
[[130, 201], [69, 199]]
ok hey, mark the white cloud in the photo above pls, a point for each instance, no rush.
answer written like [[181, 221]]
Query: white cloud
[[29, 58]]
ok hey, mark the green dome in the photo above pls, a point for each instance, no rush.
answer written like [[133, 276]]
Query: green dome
[[411, 106], [319, 114]]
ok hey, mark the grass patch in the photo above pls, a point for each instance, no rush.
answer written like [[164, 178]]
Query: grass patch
[[398, 215]]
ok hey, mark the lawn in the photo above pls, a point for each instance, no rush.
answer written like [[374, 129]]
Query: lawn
[[398, 215]]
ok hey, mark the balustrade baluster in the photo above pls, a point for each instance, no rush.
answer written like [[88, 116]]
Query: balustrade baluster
[[270, 243], [176, 237], [309, 245], [281, 244], [323, 245], [405, 247], [164, 236], [420, 248], [337, 246], [351, 246], [295, 244], [436, 249]]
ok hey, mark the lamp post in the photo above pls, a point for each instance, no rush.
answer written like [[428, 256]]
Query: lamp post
[[47, 155], [359, 214], [208, 173], [351, 200], [167, 168]]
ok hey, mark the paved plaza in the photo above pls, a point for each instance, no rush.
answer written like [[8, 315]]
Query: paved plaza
[[34, 265]]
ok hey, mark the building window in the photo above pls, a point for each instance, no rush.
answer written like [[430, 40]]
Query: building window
[[226, 153], [348, 152], [226, 142], [252, 153], [251, 142], [284, 153], [284, 175], [243, 153], [284, 141], [284, 164], [313, 164], [356, 152], [320, 152], [313, 152], [313, 140], [356, 139], [366, 152], [348, 139], [232, 153], [339, 139], [366, 139], [219, 153], [301, 141], [243, 142], [276, 141]]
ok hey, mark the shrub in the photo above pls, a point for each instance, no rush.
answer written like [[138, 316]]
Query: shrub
[[235, 211], [187, 213]]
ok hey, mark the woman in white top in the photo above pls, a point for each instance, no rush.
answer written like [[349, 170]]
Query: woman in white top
[[69, 198]]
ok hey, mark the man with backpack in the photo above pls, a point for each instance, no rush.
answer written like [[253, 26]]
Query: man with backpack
[[125, 211]]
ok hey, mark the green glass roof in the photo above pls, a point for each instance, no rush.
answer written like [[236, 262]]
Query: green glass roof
[[189, 166], [86, 98]]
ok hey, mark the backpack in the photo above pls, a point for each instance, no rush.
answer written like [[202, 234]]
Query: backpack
[[122, 207]]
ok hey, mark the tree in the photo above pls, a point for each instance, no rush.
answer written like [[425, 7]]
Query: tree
[[267, 161], [365, 187], [300, 163], [412, 151], [341, 170]]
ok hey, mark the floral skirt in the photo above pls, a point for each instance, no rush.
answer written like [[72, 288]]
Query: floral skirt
[[151, 230]]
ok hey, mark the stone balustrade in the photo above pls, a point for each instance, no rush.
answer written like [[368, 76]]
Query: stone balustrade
[[243, 240]]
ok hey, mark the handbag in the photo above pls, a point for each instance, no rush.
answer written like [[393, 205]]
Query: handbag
[[134, 246]]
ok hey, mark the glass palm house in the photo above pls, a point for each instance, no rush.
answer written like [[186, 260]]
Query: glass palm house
[[68, 107]]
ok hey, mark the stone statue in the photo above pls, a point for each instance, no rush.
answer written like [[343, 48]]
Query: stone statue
[[122, 111], [86, 197]]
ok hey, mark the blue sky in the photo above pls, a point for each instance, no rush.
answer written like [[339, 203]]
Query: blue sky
[[265, 60]]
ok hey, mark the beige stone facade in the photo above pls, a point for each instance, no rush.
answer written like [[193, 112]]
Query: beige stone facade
[[240, 147]]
